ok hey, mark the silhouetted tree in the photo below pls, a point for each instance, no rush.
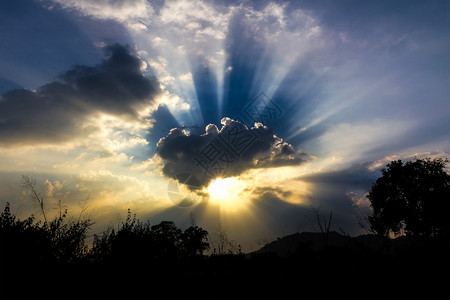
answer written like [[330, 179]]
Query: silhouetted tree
[[167, 239], [412, 197], [195, 241]]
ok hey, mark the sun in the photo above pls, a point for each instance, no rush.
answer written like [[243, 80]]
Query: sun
[[229, 193], [220, 188]]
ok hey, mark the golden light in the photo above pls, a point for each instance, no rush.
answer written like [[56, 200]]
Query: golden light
[[228, 193]]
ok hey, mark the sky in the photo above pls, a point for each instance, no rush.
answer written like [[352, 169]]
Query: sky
[[242, 116]]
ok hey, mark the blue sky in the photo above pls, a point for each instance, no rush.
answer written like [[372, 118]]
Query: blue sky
[[91, 92]]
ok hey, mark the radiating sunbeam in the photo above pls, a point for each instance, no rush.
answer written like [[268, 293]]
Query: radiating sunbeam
[[262, 105]]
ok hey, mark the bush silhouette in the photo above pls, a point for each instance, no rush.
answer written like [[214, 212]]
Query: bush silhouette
[[25, 242], [30, 242]]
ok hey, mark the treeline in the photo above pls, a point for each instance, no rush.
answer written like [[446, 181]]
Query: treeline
[[409, 201], [63, 241], [138, 255]]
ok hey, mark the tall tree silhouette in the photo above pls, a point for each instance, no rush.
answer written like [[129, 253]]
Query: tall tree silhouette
[[412, 198]]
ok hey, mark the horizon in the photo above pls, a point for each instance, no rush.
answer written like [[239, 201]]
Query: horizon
[[244, 116]]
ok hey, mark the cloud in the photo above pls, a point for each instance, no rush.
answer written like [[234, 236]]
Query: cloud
[[269, 190], [116, 85], [197, 159], [58, 111], [135, 13], [356, 176], [201, 20]]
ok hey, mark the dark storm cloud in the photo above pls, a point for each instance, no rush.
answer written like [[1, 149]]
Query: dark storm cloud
[[197, 159], [115, 85], [54, 112], [162, 121]]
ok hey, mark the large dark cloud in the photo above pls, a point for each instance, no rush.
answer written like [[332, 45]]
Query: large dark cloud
[[54, 112], [197, 159]]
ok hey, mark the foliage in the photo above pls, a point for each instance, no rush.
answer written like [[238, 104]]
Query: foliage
[[412, 198], [23, 241], [27, 241], [195, 241], [64, 241], [29, 185], [68, 238], [138, 241], [223, 245]]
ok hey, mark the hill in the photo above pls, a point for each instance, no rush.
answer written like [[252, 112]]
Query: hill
[[316, 241], [301, 241]]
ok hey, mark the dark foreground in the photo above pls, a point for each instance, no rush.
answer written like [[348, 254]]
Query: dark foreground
[[342, 270], [51, 259]]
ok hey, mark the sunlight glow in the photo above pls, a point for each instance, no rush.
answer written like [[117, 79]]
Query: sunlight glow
[[228, 193]]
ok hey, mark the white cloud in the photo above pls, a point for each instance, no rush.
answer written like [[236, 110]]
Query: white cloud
[[135, 13], [111, 191], [314, 31], [286, 35], [186, 77], [407, 155], [199, 19], [54, 190], [173, 102], [186, 33], [359, 199], [159, 65]]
